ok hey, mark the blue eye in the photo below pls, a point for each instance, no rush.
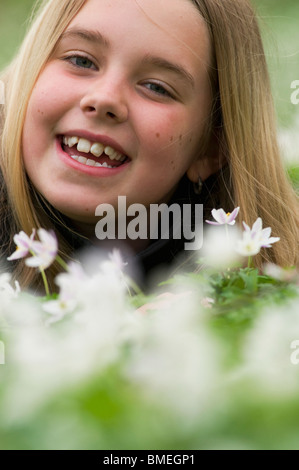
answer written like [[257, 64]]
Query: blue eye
[[158, 89], [81, 61]]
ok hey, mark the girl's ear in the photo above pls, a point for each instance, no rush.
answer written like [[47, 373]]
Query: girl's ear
[[208, 164]]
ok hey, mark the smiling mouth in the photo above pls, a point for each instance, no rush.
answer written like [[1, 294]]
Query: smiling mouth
[[93, 154]]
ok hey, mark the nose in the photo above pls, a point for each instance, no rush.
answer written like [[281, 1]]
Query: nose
[[105, 100]]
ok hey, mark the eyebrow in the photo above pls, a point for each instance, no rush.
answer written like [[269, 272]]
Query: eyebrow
[[159, 62], [165, 64], [87, 35]]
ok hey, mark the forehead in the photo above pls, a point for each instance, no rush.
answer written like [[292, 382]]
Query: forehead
[[173, 26]]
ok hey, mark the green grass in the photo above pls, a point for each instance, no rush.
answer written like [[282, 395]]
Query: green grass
[[13, 21], [294, 175], [279, 23]]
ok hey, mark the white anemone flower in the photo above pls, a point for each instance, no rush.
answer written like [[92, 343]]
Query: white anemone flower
[[7, 288], [24, 245], [58, 309], [71, 281], [175, 360], [249, 245], [218, 249], [69, 284], [281, 274], [268, 350], [44, 251], [116, 258], [255, 238], [8, 294], [115, 265], [224, 218], [262, 235]]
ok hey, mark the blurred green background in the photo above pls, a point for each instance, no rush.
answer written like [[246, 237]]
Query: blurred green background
[[280, 27]]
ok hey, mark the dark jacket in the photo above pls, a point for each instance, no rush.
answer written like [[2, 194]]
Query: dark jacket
[[157, 261]]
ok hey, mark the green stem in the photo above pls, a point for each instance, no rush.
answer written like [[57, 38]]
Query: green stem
[[130, 283], [62, 263], [45, 282], [249, 261]]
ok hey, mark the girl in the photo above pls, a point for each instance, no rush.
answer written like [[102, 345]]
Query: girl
[[146, 99]]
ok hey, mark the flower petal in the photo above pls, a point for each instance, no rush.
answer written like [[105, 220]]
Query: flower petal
[[212, 223], [233, 215], [268, 243], [258, 225], [219, 215], [18, 254]]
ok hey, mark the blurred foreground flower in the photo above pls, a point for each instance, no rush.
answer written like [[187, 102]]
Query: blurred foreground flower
[[165, 300], [218, 249], [248, 245], [44, 251], [175, 357], [267, 350], [197, 369], [117, 260], [6, 287], [24, 245], [58, 309], [281, 274]]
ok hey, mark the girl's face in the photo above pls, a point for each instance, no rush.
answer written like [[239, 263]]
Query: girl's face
[[120, 107]]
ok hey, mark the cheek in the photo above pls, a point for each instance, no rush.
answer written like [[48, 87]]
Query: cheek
[[178, 126], [50, 96], [34, 130], [175, 143], [162, 132], [44, 106]]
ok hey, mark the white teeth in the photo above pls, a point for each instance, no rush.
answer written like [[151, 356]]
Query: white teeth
[[97, 149], [113, 154], [82, 160], [71, 141], [89, 162], [83, 145], [103, 165], [109, 151]]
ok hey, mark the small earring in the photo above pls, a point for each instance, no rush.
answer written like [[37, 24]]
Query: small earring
[[197, 187]]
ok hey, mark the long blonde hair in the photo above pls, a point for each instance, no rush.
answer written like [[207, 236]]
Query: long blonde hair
[[19, 78], [243, 116]]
